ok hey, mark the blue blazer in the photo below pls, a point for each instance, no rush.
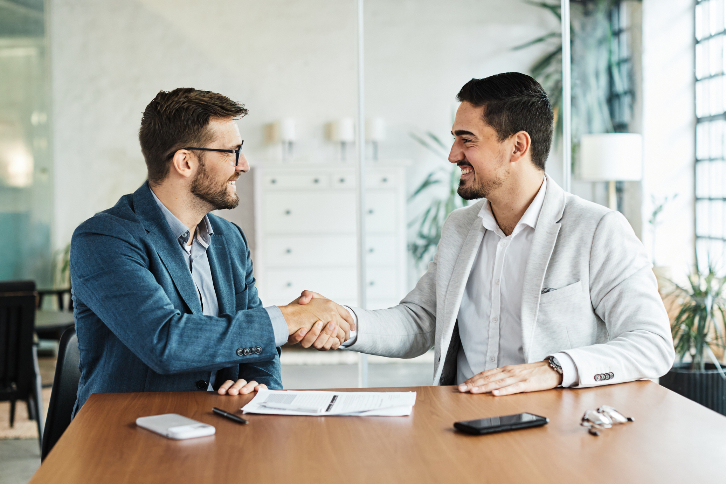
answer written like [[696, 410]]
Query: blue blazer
[[138, 317]]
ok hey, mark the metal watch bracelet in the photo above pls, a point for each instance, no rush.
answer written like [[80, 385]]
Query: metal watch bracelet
[[554, 364]]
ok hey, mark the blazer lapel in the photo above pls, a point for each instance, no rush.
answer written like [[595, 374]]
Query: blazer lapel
[[221, 268], [166, 246], [543, 242], [457, 284]]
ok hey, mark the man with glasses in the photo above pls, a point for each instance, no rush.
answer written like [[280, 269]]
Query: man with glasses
[[164, 293]]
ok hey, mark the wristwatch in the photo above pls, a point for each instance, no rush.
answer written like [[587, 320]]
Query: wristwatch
[[554, 364]]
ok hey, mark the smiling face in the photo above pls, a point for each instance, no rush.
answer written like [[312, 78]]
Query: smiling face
[[216, 179], [479, 153]]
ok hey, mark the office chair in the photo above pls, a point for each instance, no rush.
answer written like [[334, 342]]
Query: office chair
[[19, 373], [63, 396]]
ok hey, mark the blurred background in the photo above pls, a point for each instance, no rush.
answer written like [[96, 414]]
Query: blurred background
[[75, 76]]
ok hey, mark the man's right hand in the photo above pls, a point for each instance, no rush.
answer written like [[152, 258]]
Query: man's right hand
[[303, 316]]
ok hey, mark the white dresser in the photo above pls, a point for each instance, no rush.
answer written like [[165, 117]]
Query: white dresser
[[306, 232]]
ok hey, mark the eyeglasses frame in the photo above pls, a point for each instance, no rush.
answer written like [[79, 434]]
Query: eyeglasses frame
[[236, 152]]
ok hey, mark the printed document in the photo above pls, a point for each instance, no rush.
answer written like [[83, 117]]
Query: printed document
[[280, 402]]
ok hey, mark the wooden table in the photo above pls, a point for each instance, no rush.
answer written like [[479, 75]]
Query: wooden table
[[671, 440]]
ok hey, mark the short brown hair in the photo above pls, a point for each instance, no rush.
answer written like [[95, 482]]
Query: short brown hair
[[514, 102], [180, 118]]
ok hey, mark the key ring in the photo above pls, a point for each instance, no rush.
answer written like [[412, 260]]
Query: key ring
[[603, 418]]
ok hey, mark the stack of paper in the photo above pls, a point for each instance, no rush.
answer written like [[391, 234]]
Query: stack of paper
[[277, 402]]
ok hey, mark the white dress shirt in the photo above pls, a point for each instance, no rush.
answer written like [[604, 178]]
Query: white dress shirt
[[490, 324]]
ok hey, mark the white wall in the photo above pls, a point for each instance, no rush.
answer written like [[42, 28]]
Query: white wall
[[669, 128], [281, 58]]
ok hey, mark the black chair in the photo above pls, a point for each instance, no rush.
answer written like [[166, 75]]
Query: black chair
[[60, 294], [19, 373], [65, 387]]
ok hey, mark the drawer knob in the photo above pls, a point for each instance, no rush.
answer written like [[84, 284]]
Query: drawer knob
[[288, 251], [289, 284], [317, 180], [384, 180], [287, 212], [371, 250], [372, 283], [370, 211], [342, 180], [273, 181]]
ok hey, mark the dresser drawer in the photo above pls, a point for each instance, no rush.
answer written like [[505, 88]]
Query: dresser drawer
[[309, 213], [381, 179], [286, 180], [381, 250], [381, 212], [381, 283], [303, 251], [346, 179], [283, 285]]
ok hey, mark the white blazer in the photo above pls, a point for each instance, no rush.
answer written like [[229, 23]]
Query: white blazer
[[602, 305]]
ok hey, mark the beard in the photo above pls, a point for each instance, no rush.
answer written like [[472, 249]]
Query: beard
[[208, 190], [478, 189]]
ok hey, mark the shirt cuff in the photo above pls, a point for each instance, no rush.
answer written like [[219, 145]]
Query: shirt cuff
[[570, 375], [279, 325], [354, 333]]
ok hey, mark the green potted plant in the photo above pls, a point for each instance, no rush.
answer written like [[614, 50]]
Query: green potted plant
[[698, 329], [430, 221]]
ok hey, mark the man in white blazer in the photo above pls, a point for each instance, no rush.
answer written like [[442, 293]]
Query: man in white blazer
[[531, 287]]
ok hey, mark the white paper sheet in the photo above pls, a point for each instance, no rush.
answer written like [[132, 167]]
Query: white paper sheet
[[277, 402]]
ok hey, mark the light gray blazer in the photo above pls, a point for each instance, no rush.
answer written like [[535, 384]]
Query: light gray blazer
[[602, 306]]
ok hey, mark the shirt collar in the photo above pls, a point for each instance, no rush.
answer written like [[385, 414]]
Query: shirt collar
[[204, 229], [529, 218]]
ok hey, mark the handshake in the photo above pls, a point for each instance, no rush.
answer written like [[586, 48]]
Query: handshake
[[314, 320]]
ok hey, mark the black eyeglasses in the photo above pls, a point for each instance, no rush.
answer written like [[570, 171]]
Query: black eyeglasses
[[236, 152]]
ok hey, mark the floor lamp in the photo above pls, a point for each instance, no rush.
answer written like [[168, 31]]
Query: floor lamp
[[611, 157]]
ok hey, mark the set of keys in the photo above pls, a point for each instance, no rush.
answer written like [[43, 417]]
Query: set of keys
[[603, 418]]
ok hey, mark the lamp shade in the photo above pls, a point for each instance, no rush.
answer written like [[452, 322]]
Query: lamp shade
[[343, 130], [611, 157]]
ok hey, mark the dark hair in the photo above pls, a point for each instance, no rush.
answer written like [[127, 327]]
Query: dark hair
[[180, 118], [514, 102]]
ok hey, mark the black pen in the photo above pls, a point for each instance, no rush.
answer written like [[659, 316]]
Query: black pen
[[230, 416]]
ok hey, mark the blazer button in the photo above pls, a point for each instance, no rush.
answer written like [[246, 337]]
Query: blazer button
[[240, 352], [598, 377], [611, 375], [202, 385], [246, 352], [258, 350]]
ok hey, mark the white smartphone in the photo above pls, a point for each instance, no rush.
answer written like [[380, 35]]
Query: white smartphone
[[174, 426]]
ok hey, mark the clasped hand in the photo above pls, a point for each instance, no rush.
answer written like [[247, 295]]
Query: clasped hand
[[316, 321], [530, 377]]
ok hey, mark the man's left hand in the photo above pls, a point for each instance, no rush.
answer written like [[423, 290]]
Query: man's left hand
[[531, 377], [241, 387]]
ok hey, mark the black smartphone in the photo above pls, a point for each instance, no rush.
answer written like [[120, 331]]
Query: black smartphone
[[500, 424]]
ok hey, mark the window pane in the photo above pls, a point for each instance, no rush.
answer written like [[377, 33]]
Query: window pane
[[711, 251], [715, 221], [715, 180], [624, 45], [701, 64], [699, 20], [701, 98], [715, 55], [702, 141], [702, 218], [702, 186], [715, 95], [716, 16]]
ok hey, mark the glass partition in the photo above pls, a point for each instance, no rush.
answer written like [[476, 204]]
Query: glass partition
[[26, 182]]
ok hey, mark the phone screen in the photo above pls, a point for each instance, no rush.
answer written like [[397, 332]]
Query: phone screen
[[497, 424]]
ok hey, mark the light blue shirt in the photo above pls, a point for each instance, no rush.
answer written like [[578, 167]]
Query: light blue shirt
[[198, 263]]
